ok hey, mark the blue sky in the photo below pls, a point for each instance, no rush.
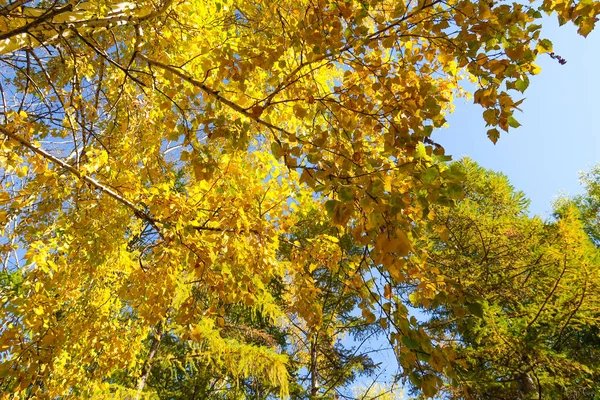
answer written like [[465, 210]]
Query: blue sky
[[560, 132]]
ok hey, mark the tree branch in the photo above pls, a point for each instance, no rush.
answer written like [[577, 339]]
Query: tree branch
[[140, 213]]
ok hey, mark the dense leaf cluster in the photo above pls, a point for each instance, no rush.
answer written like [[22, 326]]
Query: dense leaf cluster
[[233, 198]]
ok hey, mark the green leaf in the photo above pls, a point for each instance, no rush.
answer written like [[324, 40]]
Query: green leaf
[[411, 343], [490, 116], [346, 194], [420, 152], [545, 44], [276, 150], [330, 206], [415, 379], [513, 123], [455, 191], [522, 84], [476, 309], [430, 175]]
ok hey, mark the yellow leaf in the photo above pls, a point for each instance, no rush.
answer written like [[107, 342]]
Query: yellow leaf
[[401, 244], [387, 291], [300, 111], [484, 10], [395, 269], [515, 53], [368, 316], [535, 69]]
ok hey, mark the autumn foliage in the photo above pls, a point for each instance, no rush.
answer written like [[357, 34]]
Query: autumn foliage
[[199, 199]]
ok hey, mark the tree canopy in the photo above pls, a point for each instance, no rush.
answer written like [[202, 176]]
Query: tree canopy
[[203, 186], [521, 308], [587, 204]]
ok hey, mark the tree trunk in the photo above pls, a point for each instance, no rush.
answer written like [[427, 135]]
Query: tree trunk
[[148, 363], [314, 375]]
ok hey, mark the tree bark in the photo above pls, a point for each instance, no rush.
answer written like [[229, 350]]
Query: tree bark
[[314, 374], [148, 363]]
